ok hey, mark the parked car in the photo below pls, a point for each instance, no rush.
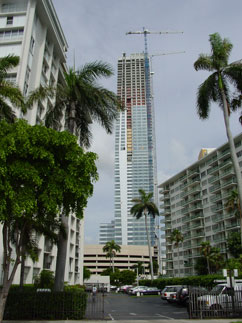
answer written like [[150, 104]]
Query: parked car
[[221, 298], [152, 291], [182, 295], [168, 291], [137, 289], [123, 288]]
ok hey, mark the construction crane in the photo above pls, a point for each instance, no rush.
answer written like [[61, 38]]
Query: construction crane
[[149, 97]]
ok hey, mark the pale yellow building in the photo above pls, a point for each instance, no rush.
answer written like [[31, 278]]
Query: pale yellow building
[[96, 261]]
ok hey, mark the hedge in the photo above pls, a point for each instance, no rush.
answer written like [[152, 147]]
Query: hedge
[[205, 281], [29, 305]]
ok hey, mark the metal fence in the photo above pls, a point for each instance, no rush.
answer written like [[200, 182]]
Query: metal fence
[[95, 301], [220, 302]]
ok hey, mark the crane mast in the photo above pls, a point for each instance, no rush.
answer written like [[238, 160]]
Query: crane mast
[[150, 113]]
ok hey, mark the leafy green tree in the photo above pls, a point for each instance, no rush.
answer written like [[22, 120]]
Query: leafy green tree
[[42, 173], [140, 266], [233, 206], [45, 279], [127, 277], [216, 88], [111, 247], [80, 102], [114, 276], [86, 273], [177, 238], [145, 206], [201, 267], [234, 244]]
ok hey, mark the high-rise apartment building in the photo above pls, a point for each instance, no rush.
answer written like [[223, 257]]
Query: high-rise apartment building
[[31, 30], [135, 166], [194, 202]]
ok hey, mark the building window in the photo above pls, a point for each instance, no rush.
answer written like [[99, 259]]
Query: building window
[[32, 42], [10, 20]]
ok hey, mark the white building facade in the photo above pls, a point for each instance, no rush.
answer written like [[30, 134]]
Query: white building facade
[[194, 202], [31, 30]]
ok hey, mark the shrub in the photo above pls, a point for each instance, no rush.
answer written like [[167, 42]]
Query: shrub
[[46, 305], [45, 279], [205, 281]]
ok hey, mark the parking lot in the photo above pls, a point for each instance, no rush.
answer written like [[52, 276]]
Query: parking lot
[[124, 307]]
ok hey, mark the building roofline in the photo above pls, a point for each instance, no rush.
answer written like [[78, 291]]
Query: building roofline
[[196, 163]]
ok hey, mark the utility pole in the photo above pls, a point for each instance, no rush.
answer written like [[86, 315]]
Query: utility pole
[[150, 112]]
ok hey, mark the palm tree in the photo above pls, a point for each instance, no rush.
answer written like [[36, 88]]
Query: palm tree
[[111, 248], [145, 206], [10, 94], [216, 88], [177, 237], [233, 205], [207, 251], [79, 102]]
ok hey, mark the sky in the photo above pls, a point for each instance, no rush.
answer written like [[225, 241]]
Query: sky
[[96, 30]]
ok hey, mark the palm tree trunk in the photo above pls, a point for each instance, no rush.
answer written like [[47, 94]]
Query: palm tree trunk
[[232, 150], [208, 266], [61, 256], [21, 284], [178, 262], [148, 241], [113, 262]]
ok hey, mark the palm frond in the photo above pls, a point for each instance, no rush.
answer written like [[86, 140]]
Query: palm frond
[[207, 92], [12, 93], [204, 62], [234, 74], [221, 49], [91, 71], [42, 93], [6, 63], [6, 112]]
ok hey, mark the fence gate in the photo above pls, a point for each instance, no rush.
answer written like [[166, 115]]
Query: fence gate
[[95, 301]]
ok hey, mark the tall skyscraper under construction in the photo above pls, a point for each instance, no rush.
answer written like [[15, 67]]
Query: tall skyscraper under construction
[[135, 157]]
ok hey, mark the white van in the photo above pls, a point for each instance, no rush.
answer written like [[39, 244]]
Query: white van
[[222, 297]]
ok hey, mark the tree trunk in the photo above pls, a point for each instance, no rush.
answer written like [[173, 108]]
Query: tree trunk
[[7, 277], [208, 265], [232, 149], [148, 241], [113, 262], [61, 256], [178, 261], [21, 284]]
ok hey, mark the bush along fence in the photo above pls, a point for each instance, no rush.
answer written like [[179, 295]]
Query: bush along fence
[[206, 281], [44, 305]]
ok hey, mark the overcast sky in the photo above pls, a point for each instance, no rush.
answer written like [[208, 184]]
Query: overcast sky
[[95, 30]]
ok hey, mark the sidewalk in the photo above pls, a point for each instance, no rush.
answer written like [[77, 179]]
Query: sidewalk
[[135, 321]]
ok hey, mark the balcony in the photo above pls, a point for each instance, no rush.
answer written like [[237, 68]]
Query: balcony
[[216, 198], [185, 219], [213, 179], [217, 208], [229, 183], [227, 173], [225, 164], [196, 225], [198, 234], [192, 173], [215, 188], [213, 170], [196, 216]]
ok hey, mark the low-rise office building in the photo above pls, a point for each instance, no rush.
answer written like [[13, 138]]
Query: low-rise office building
[[194, 202]]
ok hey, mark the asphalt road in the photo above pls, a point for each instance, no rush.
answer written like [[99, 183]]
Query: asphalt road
[[125, 307]]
